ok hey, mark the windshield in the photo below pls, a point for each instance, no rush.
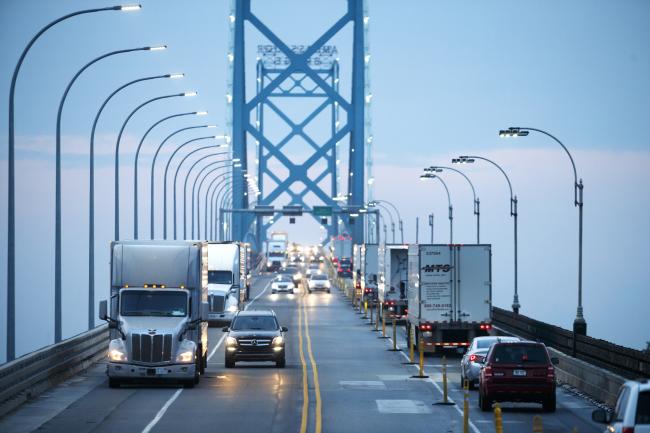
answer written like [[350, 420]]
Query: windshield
[[254, 323], [276, 254], [153, 303], [283, 278], [519, 354], [319, 277], [219, 277]]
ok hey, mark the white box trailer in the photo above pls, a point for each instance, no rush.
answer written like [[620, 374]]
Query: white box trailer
[[369, 271], [227, 280], [393, 277], [356, 270], [449, 293]]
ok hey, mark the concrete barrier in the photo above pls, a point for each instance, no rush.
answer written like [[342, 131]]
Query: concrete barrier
[[598, 383]]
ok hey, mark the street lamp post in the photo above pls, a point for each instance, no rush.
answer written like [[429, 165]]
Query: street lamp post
[[579, 323], [213, 203], [152, 180], [477, 203], [399, 217], [431, 221], [207, 202], [117, 152], [513, 213], [451, 208], [11, 185], [91, 199], [137, 158], [57, 190], [195, 203]]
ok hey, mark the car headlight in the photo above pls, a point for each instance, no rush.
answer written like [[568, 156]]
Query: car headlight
[[117, 351], [327, 283], [269, 263], [278, 341], [232, 308], [186, 351], [231, 341]]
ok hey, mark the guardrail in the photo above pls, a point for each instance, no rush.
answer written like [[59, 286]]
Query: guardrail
[[31, 374], [624, 361]]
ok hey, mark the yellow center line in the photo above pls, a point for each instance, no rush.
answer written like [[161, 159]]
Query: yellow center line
[[314, 369], [305, 388]]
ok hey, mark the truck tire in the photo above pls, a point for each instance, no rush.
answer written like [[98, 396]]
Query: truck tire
[[114, 383]]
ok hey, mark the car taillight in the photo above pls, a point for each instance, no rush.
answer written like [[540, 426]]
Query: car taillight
[[475, 358], [550, 373], [485, 326], [627, 430], [487, 371], [425, 327]]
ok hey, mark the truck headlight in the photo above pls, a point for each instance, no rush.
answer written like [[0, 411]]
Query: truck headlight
[[232, 308], [117, 351], [278, 341], [186, 352]]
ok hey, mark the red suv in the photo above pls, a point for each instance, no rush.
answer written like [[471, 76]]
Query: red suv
[[517, 371]]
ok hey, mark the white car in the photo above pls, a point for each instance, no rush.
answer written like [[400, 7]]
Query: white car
[[632, 412], [318, 282], [470, 365], [282, 283]]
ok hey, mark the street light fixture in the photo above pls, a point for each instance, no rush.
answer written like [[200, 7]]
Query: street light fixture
[[477, 203], [11, 186], [426, 176], [579, 323], [513, 214]]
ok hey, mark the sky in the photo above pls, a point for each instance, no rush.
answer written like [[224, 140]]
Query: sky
[[445, 77]]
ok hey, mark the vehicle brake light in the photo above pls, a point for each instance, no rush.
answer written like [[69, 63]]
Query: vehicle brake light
[[475, 358], [550, 373], [627, 430], [425, 327], [485, 326], [487, 371]]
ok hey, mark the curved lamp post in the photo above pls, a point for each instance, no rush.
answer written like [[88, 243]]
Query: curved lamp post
[[210, 168], [11, 181], [117, 151], [152, 180], [214, 217], [376, 203], [477, 203], [221, 178], [137, 158], [91, 199], [57, 186], [426, 176], [513, 214], [579, 323], [399, 217]]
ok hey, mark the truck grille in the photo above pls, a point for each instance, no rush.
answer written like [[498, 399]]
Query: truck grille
[[216, 303], [151, 348]]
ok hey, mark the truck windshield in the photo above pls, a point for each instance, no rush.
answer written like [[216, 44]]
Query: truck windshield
[[219, 277], [153, 303], [250, 323], [276, 254]]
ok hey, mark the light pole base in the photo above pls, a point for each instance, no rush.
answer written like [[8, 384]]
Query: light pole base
[[515, 307], [580, 326]]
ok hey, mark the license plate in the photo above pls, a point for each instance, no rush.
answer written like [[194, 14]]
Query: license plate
[[161, 370], [518, 372]]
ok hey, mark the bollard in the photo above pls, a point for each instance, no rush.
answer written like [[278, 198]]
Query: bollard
[[394, 349], [371, 311], [466, 406], [377, 317], [383, 324], [411, 346], [444, 380], [421, 375], [498, 419], [538, 427], [365, 309]]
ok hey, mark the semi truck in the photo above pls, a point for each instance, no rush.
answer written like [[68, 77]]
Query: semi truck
[[368, 270], [158, 311], [393, 279], [228, 280], [276, 255], [449, 294], [342, 255]]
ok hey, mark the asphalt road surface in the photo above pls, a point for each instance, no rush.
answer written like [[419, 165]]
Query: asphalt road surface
[[340, 377]]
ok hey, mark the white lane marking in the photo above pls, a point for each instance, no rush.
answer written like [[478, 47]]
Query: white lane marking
[[458, 409], [178, 392], [402, 406], [162, 411]]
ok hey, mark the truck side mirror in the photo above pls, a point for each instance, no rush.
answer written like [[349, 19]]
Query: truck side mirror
[[103, 309], [205, 308]]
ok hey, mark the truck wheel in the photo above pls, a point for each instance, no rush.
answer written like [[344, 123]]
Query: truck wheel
[[114, 383], [280, 363]]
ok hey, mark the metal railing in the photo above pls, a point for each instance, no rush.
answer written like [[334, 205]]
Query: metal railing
[[629, 363], [31, 374]]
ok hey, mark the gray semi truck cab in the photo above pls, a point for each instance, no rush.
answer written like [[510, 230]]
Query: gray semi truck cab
[[158, 311]]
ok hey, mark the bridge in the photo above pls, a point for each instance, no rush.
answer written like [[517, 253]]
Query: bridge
[[294, 152]]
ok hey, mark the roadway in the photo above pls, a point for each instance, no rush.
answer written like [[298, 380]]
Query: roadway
[[340, 377]]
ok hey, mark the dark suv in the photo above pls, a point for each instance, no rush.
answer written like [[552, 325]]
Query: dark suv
[[517, 371], [255, 335]]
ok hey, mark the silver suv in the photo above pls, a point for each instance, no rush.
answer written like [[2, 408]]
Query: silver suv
[[632, 412]]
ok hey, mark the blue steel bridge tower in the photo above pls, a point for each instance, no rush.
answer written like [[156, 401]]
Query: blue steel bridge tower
[[292, 72]]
